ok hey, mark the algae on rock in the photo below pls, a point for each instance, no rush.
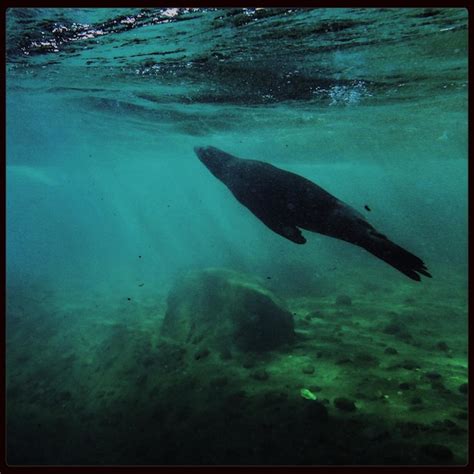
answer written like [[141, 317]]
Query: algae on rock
[[221, 309]]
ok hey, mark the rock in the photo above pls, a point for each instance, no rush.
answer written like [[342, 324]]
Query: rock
[[202, 353], [405, 386], [169, 356], [409, 365], [442, 346], [343, 300], [308, 369], [437, 452], [463, 388], [226, 310], [397, 329], [437, 385], [366, 360], [433, 375], [307, 394], [260, 374], [344, 404], [391, 351]]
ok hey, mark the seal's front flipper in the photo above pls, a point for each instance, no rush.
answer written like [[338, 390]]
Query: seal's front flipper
[[290, 232]]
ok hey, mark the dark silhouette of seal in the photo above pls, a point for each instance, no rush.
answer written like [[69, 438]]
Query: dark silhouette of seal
[[286, 202]]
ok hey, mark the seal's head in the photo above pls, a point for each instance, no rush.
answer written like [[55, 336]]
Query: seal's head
[[216, 161]]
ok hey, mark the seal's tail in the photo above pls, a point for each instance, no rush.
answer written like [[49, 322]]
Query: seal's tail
[[399, 258]]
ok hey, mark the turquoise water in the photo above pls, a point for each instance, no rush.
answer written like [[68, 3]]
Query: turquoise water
[[108, 208]]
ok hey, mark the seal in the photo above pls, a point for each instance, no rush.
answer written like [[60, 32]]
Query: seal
[[286, 203]]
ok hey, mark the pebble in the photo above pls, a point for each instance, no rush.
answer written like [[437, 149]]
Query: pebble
[[410, 365], [442, 346], [343, 300], [433, 375], [260, 374], [201, 354], [344, 404], [308, 369]]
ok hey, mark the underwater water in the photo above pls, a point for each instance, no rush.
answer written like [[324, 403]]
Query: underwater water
[[152, 318]]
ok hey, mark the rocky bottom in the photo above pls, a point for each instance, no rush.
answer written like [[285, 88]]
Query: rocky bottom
[[375, 375]]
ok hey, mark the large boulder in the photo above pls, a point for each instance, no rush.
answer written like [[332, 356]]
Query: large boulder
[[225, 310]]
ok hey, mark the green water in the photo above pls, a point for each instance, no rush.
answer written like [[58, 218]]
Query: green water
[[108, 209]]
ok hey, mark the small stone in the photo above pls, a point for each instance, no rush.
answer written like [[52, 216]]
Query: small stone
[[391, 351], [307, 394], [343, 300], [398, 330], [437, 452], [433, 375], [442, 346], [344, 404], [366, 359], [308, 369], [405, 386], [437, 385], [260, 374], [410, 365], [201, 354], [463, 388]]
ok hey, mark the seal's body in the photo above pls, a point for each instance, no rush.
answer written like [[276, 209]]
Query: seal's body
[[286, 202]]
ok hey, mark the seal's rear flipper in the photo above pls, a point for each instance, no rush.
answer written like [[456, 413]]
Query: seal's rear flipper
[[399, 258]]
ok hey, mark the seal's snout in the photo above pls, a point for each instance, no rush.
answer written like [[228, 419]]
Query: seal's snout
[[201, 152], [198, 150]]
